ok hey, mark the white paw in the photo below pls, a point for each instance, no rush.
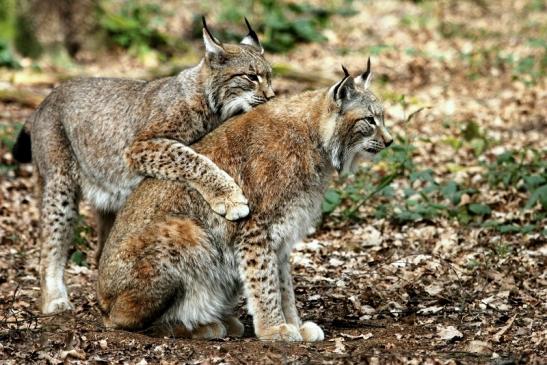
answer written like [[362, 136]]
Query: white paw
[[232, 207], [283, 332], [311, 332], [237, 211], [219, 208], [57, 305]]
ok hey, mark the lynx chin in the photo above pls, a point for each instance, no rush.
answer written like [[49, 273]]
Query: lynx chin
[[173, 267], [96, 138]]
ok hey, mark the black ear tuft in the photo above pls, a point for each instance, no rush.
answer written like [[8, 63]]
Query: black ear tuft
[[346, 73], [252, 33], [366, 74], [251, 39], [344, 88], [206, 28]]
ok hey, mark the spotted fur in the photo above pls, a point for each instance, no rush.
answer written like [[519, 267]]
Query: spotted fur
[[171, 263], [97, 138]]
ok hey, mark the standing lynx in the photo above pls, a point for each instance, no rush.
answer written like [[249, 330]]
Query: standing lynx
[[98, 137], [172, 266]]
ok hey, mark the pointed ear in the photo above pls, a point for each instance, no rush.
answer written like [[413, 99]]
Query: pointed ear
[[365, 78], [342, 89], [251, 38], [213, 48]]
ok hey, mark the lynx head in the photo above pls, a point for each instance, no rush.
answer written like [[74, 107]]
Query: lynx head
[[355, 129], [239, 76]]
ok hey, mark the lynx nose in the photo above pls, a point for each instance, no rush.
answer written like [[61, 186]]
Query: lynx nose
[[269, 93], [388, 140]]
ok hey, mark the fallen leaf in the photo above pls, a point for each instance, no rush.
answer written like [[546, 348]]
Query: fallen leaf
[[353, 337], [448, 333], [75, 353], [479, 347], [103, 344], [339, 346], [501, 332], [430, 310]]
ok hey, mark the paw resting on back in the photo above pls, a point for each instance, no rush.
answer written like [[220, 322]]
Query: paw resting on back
[[232, 205]]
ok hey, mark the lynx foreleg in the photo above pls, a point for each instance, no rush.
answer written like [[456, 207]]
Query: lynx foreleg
[[259, 273], [168, 159], [288, 302], [309, 330]]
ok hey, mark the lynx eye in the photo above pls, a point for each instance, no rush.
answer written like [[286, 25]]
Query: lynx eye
[[252, 77], [370, 120]]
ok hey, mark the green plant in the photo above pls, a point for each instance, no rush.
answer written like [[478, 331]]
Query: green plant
[[421, 195], [136, 26], [81, 236], [284, 24], [7, 58]]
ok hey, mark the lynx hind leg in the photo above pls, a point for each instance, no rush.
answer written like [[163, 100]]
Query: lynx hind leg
[[105, 221], [59, 211], [234, 327], [162, 258]]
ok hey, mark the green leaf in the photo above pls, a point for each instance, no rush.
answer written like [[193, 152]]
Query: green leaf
[[471, 131], [79, 258], [332, 200], [479, 209], [509, 228], [540, 194]]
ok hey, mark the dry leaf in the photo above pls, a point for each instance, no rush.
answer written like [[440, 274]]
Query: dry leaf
[[501, 332], [339, 346], [448, 333], [479, 347]]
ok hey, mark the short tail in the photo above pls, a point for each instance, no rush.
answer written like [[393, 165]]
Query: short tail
[[21, 149]]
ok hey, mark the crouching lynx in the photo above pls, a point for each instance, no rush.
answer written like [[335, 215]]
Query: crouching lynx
[[98, 137], [174, 267]]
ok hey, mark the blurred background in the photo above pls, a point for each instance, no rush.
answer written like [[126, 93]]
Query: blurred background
[[475, 71], [465, 94]]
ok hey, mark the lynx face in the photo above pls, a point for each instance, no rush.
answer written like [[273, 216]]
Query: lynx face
[[358, 130], [239, 77]]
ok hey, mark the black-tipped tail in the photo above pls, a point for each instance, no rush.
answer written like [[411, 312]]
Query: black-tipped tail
[[21, 149]]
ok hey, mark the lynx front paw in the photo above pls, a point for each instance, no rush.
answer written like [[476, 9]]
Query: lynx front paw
[[311, 332], [232, 205], [283, 332], [56, 305]]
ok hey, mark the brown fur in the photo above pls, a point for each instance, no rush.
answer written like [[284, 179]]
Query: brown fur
[[282, 154]]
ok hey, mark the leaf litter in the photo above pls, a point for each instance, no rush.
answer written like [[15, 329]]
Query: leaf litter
[[429, 291]]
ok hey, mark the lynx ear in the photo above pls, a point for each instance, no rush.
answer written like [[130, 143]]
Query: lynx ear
[[251, 38], [212, 46], [364, 79], [343, 89]]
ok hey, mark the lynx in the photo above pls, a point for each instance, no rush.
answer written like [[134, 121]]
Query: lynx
[[173, 267], [97, 138]]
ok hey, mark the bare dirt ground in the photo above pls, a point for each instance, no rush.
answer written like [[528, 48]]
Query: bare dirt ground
[[435, 291]]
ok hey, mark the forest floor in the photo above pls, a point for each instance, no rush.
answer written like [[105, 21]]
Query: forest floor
[[434, 289]]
